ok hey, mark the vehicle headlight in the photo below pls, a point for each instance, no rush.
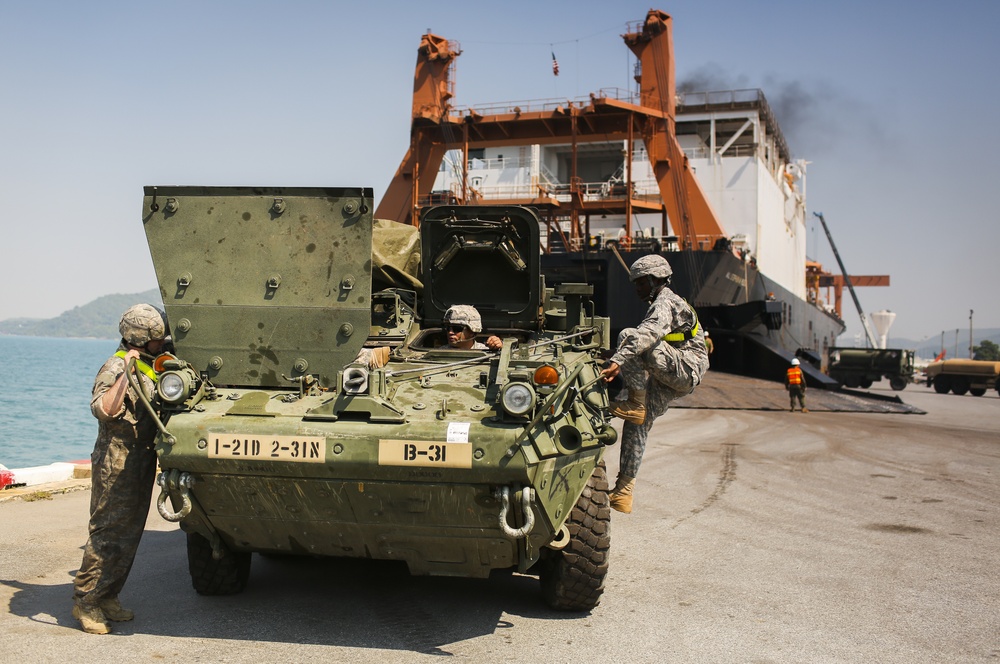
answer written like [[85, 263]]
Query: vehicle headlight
[[173, 387], [517, 398]]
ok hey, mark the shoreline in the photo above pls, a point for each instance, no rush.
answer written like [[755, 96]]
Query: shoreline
[[54, 478]]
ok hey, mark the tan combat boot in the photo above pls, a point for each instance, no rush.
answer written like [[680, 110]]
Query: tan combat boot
[[633, 409], [113, 610], [92, 619], [621, 496]]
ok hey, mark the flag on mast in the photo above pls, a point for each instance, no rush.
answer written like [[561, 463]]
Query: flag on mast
[[555, 64]]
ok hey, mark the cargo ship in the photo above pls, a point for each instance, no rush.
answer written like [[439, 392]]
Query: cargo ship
[[705, 179]]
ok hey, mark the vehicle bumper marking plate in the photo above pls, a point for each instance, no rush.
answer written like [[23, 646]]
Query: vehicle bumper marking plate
[[427, 453], [303, 449]]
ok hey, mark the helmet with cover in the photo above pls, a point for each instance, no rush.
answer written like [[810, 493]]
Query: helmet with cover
[[464, 314], [141, 324], [650, 266]]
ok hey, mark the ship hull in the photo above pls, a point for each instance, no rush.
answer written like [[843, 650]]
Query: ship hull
[[757, 326]]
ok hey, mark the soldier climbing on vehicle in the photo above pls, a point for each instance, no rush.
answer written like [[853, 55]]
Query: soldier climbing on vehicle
[[662, 359]]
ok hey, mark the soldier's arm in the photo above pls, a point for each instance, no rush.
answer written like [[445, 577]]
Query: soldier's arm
[[666, 315], [109, 392]]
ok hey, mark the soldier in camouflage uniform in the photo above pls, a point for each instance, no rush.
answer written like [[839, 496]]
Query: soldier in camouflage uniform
[[662, 359], [462, 323], [123, 465]]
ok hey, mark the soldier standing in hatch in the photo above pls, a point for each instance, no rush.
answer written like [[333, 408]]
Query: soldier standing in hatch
[[123, 465], [662, 359], [462, 323], [796, 385]]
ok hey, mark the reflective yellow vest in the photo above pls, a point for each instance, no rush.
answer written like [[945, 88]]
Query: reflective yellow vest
[[140, 365], [680, 337]]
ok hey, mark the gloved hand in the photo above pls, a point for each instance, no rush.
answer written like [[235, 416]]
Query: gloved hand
[[379, 357]]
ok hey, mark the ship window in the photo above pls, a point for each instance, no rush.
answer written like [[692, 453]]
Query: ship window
[[477, 153]]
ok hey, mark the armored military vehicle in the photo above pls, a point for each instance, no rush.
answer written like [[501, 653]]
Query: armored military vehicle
[[860, 367], [276, 439]]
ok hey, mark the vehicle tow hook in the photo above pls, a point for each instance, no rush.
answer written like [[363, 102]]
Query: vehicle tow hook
[[169, 481], [528, 513]]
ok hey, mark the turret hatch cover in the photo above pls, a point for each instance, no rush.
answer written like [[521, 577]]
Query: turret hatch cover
[[263, 285], [486, 256]]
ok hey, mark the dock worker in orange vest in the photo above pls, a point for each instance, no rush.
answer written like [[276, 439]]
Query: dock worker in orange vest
[[796, 385]]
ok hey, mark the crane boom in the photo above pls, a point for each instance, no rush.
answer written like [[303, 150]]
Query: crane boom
[[847, 280]]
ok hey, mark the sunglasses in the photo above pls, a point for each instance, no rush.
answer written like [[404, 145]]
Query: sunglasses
[[455, 329]]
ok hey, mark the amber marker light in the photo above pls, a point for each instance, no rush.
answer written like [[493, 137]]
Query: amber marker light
[[159, 364], [546, 375]]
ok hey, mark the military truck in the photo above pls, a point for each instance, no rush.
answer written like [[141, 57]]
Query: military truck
[[960, 377], [861, 367], [276, 439]]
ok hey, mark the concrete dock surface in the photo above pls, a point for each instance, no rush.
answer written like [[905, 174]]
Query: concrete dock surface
[[759, 535]]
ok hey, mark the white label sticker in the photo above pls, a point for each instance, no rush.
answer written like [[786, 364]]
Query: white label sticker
[[458, 432]]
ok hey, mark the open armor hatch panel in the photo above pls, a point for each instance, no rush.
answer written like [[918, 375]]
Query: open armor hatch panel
[[486, 256], [263, 284]]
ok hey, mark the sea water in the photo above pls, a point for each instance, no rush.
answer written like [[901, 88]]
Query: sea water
[[45, 387]]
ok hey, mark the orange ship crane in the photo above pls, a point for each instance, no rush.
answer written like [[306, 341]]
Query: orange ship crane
[[437, 127]]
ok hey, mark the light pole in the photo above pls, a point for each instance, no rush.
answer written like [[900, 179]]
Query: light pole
[[970, 334], [956, 342]]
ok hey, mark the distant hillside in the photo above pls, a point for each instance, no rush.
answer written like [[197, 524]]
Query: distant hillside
[[98, 320], [930, 347]]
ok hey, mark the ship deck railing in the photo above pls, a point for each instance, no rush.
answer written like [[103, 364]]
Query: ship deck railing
[[562, 193], [543, 105]]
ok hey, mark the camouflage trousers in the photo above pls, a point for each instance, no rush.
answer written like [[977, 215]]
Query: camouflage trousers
[[666, 373], [121, 487]]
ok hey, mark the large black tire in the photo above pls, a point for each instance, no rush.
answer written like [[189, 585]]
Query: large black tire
[[865, 383], [573, 579], [209, 576], [960, 385], [942, 384], [897, 383], [977, 391]]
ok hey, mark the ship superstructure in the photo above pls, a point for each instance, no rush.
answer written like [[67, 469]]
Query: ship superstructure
[[705, 178]]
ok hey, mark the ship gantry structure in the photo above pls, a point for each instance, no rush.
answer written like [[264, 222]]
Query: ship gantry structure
[[704, 178]]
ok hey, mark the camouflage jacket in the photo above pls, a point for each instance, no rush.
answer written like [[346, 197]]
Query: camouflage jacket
[[132, 418], [668, 314]]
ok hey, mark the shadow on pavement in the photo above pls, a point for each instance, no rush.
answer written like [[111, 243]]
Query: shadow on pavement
[[321, 601]]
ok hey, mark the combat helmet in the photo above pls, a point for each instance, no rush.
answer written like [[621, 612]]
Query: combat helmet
[[654, 265], [142, 323], [464, 314]]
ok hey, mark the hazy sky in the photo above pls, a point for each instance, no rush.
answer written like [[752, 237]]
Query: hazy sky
[[892, 102]]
